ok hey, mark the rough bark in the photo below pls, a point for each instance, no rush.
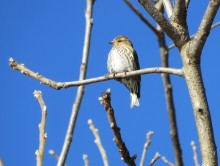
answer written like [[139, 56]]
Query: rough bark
[[196, 89]]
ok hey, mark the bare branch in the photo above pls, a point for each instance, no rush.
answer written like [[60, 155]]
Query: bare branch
[[98, 142], [43, 136], [205, 26], [195, 156], [164, 54], [86, 160], [215, 25], [192, 36], [146, 145], [80, 90], [1, 162], [167, 162], [135, 10], [60, 85], [55, 155], [168, 7], [171, 31], [106, 101], [156, 157], [179, 12]]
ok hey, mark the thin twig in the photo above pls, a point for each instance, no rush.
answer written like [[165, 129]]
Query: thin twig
[[80, 90], [52, 152], [167, 162], [43, 136], [146, 145], [141, 16], [195, 155], [215, 25], [1, 162], [106, 101], [192, 36], [59, 85], [86, 160], [155, 158], [164, 54], [98, 142], [168, 7]]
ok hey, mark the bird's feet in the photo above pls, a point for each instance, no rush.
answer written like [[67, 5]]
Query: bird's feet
[[106, 75], [110, 74]]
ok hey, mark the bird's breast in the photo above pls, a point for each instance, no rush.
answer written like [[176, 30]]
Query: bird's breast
[[120, 60]]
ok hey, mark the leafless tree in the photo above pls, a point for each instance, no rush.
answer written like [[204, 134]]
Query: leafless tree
[[190, 49]]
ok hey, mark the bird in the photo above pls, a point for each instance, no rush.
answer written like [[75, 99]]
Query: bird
[[123, 58]]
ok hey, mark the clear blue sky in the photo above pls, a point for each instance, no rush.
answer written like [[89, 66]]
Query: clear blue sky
[[47, 36]]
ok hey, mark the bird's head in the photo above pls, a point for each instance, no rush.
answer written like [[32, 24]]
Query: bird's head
[[121, 40]]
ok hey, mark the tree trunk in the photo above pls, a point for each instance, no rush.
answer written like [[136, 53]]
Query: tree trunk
[[193, 77]]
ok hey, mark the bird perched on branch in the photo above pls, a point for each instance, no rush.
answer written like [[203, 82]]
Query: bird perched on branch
[[123, 58]]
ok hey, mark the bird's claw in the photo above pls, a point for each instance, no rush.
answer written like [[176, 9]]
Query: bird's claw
[[106, 75]]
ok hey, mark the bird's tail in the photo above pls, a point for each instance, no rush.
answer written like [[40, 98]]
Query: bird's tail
[[134, 100]]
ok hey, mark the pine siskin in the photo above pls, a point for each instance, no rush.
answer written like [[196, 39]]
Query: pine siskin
[[123, 58]]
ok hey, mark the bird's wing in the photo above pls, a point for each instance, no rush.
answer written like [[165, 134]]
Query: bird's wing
[[138, 77]]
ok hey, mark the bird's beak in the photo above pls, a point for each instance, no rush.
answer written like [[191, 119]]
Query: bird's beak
[[111, 42]]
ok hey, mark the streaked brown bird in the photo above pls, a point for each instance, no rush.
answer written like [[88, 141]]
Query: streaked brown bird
[[123, 58]]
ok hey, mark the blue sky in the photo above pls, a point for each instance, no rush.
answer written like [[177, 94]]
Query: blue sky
[[47, 36]]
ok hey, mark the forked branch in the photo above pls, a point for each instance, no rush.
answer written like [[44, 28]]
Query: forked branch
[[205, 26]]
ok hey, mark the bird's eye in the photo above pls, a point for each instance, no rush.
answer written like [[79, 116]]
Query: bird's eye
[[119, 40]]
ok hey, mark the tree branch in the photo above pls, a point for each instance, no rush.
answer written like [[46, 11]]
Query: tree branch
[[205, 26], [135, 10], [86, 160], [106, 101], [168, 88], [52, 152], [43, 136], [80, 90], [98, 142], [155, 158], [1, 162], [168, 7], [179, 12], [167, 162], [191, 57], [164, 54], [195, 156], [146, 145], [60, 85], [170, 30], [192, 36], [193, 77]]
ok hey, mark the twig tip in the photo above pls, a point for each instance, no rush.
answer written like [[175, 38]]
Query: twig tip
[[37, 93], [11, 59], [51, 152], [90, 121], [192, 143], [85, 156], [36, 152]]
